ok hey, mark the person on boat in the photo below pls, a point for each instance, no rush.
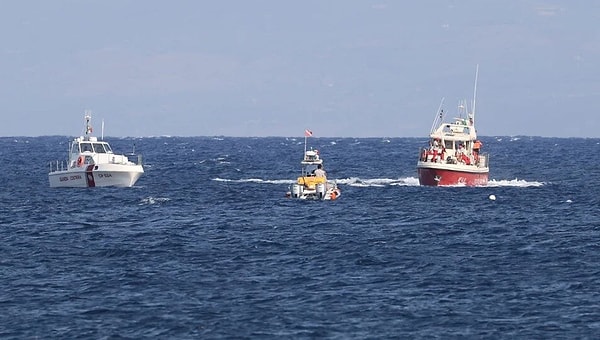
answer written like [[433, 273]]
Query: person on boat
[[441, 153], [319, 172], [86, 147], [476, 146], [459, 152]]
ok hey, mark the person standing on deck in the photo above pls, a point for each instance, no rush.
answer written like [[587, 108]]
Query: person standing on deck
[[319, 172]]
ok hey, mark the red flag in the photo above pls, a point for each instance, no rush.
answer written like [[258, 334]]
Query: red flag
[[307, 133]]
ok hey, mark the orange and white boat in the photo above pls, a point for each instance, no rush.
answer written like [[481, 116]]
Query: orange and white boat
[[313, 183], [92, 163], [453, 156]]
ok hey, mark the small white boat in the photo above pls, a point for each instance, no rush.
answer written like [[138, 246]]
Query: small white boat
[[313, 183], [92, 163]]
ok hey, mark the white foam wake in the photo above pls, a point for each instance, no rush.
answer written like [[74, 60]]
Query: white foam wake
[[378, 182], [353, 181], [514, 183], [255, 180], [383, 182]]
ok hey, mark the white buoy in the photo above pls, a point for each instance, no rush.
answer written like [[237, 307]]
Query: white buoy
[[492, 197], [569, 201]]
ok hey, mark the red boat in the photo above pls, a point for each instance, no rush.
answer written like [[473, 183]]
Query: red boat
[[453, 156]]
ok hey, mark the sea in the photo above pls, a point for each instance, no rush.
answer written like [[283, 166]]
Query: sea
[[207, 246]]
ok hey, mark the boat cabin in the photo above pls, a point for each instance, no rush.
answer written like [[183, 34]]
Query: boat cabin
[[309, 164], [89, 144], [89, 150], [312, 157]]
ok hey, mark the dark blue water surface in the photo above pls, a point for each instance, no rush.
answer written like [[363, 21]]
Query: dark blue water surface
[[205, 245]]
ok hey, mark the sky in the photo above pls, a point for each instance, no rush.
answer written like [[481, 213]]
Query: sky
[[341, 68]]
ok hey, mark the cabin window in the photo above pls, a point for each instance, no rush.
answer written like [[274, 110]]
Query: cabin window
[[75, 148], [448, 145], [99, 148], [86, 147]]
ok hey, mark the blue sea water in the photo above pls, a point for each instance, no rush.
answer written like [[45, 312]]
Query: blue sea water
[[205, 245]]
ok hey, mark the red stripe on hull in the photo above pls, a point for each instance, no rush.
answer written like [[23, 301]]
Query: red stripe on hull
[[89, 176], [434, 177]]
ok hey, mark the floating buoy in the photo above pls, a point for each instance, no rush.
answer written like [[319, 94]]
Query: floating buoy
[[569, 201], [492, 197]]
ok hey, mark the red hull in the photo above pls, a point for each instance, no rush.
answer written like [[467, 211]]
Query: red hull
[[434, 177]]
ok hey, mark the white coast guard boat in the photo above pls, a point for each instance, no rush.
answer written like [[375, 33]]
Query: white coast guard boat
[[92, 163], [453, 156], [313, 183]]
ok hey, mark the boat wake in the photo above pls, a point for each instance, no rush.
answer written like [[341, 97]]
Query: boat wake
[[379, 182], [384, 182], [255, 180], [514, 183], [354, 181]]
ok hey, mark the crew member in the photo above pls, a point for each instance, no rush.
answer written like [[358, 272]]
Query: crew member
[[319, 172]]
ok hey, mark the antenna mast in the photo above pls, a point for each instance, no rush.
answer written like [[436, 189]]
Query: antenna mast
[[439, 116], [305, 137], [88, 126], [475, 92]]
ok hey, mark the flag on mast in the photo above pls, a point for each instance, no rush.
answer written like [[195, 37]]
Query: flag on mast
[[307, 133]]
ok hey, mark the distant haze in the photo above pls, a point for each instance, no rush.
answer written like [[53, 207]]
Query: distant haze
[[274, 68]]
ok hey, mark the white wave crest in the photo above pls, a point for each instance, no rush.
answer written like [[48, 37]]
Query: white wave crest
[[255, 180], [154, 200], [378, 182], [514, 183]]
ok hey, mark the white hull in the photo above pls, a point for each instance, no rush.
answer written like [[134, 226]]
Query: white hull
[[299, 192], [92, 163], [99, 175]]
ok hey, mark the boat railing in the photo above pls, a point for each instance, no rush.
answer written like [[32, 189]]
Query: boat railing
[[432, 155], [437, 156], [117, 159], [423, 154], [137, 161], [483, 160], [58, 166]]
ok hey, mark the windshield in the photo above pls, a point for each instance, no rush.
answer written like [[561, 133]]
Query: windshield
[[99, 148]]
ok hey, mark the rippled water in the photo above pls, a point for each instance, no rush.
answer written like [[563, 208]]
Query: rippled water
[[206, 246]]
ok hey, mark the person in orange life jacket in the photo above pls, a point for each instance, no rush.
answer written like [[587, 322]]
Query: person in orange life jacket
[[476, 146]]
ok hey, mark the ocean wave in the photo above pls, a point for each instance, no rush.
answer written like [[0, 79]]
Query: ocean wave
[[154, 200], [255, 180]]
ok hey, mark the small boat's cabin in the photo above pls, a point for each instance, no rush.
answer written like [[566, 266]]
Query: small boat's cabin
[[450, 145], [310, 162], [312, 156], [452, 150], [89, 150], [89, 144]]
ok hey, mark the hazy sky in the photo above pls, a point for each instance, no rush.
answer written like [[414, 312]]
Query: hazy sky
[[347, 68]]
